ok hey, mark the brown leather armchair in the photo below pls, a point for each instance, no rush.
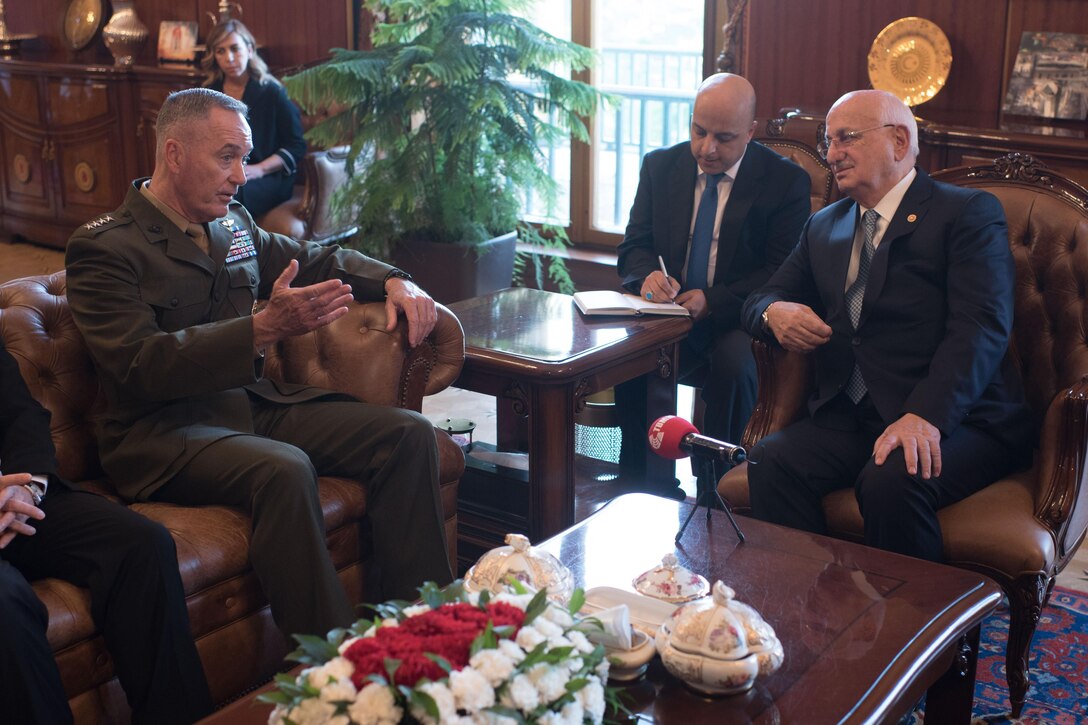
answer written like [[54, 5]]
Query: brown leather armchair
[[797, 136], [238, 643], [309, 213], [1023, 529]]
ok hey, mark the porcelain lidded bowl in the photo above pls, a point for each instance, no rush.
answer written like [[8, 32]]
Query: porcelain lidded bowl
[[718, 646], [518, 559]]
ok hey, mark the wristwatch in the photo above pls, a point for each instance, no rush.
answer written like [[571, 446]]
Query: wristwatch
[[764, 320], [36, 492], [399, 273]]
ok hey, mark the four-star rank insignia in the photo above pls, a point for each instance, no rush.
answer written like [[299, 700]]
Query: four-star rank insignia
[[98, 222]]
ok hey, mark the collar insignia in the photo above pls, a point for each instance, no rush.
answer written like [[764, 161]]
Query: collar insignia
[[98, 222]]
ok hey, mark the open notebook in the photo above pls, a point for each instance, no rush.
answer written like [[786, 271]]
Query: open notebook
[[607, 302]]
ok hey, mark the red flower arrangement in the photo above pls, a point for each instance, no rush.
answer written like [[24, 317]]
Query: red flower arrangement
[[447, 632]]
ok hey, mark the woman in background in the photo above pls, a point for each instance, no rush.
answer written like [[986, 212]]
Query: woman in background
[[235, 69]]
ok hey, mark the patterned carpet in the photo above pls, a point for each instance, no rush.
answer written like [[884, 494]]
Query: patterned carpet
[[1058, 661]]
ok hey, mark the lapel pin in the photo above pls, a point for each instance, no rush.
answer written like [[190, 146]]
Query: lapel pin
[[228, 223], [912, 218]]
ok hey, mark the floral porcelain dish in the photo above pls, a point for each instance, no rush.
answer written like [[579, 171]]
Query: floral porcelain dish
[[630, 664], [532, 567], [671, 582], [718, 646]]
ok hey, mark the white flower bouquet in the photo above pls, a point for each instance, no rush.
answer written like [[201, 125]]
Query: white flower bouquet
[[458, 658]]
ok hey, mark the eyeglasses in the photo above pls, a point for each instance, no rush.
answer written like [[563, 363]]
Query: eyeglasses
[[846, 139]]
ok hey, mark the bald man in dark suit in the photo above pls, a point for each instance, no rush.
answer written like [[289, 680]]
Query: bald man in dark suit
[[752, 215]]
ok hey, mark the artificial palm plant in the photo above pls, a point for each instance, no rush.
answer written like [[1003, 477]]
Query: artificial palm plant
[[446, 116]]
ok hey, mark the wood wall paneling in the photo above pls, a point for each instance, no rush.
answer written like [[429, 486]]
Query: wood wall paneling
[[808, 54]]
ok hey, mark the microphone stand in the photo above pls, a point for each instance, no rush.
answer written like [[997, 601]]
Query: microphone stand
[[706, 487]]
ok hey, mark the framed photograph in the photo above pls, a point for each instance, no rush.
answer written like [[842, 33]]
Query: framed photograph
[[177, 41], [1050, 77]]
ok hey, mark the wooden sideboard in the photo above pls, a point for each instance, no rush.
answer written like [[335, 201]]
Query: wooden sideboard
[[72, 137], [1062, 148]]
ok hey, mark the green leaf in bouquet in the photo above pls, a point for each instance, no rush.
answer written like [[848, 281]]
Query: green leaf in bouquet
[[533, 657], [536, 607], [575, 684], [509, 712], [432, 595], [484, 640], [558, 654], [312, 650], [485, 599], [577, 600], [506, 631], [516, 584], [440, 661], [423, 700], [391, 666]]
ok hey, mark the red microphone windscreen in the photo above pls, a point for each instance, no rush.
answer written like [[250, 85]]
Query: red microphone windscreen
[[666, 433]]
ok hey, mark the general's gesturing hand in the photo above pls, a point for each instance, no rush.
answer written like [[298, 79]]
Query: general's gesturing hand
[[297, 310], [406, 296]]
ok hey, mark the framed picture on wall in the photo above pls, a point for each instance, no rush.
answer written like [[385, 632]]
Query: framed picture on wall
[[1050, 77], [177, 41]]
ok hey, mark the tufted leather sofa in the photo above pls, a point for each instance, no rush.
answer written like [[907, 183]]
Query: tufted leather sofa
[[237, 640], [1022, 530]]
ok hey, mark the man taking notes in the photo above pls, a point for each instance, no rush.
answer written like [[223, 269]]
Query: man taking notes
[[720, 213]]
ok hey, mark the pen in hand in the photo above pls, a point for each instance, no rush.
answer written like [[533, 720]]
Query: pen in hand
[[668, 283]]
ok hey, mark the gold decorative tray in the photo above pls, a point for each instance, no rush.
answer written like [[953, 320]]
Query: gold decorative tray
[[910, 58]]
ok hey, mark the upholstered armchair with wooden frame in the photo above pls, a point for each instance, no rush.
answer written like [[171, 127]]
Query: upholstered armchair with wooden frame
[[797, 136], [1022, 530]]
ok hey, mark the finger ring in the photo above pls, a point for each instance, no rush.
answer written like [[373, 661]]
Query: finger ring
[[649, 295]]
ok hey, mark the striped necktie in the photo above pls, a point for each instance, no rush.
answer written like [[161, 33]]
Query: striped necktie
[[855, 386]]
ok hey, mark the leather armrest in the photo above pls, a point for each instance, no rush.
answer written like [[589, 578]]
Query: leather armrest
[[785, 381], [356, 355], [1061, 495]]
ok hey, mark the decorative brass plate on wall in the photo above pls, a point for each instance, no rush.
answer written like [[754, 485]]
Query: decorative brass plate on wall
[[21, 167], [84, 176], [81, 22], [910, 58]]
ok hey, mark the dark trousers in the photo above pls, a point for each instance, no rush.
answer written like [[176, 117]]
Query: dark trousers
[[273, 475], [790, 471], [722, 366], [129, 563]]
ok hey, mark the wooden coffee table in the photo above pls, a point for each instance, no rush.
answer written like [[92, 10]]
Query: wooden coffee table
[[866, 633], [535, 352]]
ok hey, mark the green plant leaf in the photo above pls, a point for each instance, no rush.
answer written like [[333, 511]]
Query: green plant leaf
[[536, 606], [577, 601]]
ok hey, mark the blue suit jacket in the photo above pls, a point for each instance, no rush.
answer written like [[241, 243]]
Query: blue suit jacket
[[767, 207], [937, 312]]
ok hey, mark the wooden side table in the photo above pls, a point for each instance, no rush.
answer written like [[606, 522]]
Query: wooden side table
[[534, 350]]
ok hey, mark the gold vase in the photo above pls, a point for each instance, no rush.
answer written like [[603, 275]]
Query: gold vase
[[124, 34]]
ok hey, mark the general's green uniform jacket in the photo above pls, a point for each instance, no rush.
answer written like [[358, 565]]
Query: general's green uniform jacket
[[169, 331]]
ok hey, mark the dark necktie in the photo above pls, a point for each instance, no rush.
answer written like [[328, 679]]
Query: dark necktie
[[855, 386], [702, 236]]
